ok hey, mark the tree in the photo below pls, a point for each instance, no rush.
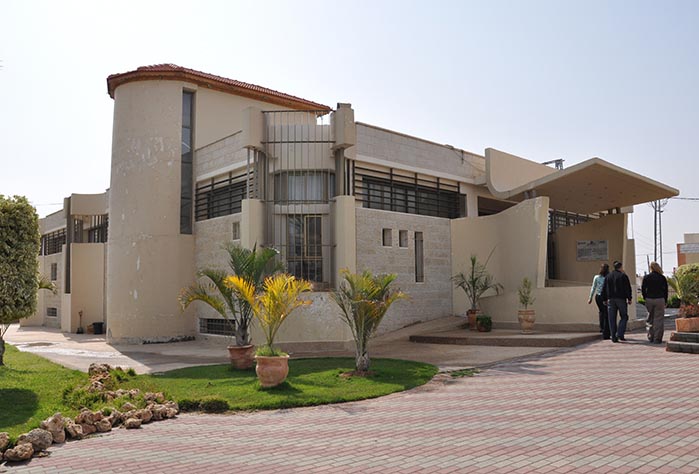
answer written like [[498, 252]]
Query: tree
[[272, 304], [364, 300], [253, 266], [19, 266], [685, 282], [476, 281]]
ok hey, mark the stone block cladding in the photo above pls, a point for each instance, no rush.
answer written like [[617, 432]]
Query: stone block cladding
[[404, 150], [210, 237], [218, 155], [430, 299]]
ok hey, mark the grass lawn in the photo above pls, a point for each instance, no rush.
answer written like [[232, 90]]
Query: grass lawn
[[31, 390], [310, 382]]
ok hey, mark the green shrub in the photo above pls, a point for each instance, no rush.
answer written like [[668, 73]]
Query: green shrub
[[214, 405], [187, 404], [673, 302], [484, 322], [641, 300], [78, 398], [131, 372], [269, 351]]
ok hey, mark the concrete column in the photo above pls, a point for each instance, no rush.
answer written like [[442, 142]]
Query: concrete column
[[471, 204], [344, 228], [252, 223]]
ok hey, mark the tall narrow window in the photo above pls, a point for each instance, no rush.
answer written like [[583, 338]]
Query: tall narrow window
[[304, 247], [419, 258], [54, 271], [187, 160]]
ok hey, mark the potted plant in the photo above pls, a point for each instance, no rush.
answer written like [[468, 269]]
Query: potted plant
[[526, 316], [364, 299], [278, 298], [475, 282], [251, 265], [685, 282], [484, 323]]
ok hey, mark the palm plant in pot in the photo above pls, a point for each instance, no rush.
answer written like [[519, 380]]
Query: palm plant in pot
[[253, 266], [526, 316], [278, 298], [475, 282], [685, 282], [364, 299]]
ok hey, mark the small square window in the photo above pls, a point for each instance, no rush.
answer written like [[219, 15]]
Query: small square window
[[236, 231], [54, 271], [403, 238], [387, 237], [52, 312]]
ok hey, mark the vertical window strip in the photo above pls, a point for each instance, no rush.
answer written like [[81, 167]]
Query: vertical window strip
[[187, 175]]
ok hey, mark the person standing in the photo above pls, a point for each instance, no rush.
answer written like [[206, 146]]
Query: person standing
[[596, 293], [654, 291], [616, 293]]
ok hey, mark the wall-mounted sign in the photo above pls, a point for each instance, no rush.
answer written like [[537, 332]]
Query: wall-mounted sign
[[592, 250], [689, 248]]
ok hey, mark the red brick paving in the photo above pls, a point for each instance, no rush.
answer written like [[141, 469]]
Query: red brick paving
[[603, 408]]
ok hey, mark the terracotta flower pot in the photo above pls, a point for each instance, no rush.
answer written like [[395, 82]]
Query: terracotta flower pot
[[472, 315], [271, 371], [242, 357], [526, 319], [687, 324]]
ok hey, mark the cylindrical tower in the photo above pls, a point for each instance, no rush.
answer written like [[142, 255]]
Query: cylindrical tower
[[150, 251]]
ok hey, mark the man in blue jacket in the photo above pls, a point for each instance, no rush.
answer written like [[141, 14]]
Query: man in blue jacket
[[616, 293]]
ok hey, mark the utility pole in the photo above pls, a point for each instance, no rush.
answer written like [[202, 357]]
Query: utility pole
[[658, 207]]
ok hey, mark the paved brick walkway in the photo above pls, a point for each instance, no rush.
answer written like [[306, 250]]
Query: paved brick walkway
[[603, 407]]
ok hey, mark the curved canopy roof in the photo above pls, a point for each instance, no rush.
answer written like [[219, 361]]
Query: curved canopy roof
[[585, 188]]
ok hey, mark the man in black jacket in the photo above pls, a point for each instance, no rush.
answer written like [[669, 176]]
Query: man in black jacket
[[616, 293]]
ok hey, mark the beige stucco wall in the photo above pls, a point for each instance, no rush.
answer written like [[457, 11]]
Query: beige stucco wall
[[87, 285], [89, 204], [557, 309], [149, 261], [610, 228], [219, 114], [517, 239], [505, 171], [45, 298], [430, 299]]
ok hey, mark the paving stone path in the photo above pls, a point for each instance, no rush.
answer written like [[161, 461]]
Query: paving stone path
[[602, 407]]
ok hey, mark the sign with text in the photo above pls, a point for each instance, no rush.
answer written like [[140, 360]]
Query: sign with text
[[592, 250], [689, 248]]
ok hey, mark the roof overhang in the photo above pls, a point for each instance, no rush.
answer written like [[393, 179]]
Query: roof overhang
[[585, 188], [172, 72]]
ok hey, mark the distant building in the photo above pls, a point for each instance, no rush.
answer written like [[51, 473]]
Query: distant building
[[199, 160], [688, 251], [73, 256]]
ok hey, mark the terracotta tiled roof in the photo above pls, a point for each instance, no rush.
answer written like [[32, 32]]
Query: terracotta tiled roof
[[179, 73]]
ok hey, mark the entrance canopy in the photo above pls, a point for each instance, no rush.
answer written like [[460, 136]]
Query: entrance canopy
[[588, 187]]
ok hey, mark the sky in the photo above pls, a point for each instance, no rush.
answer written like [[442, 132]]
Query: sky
[[539, 79]]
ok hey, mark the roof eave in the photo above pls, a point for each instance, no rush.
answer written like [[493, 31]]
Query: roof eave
[[116, 80]]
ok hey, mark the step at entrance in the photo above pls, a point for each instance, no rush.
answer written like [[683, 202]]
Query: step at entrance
[[687, 342]]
